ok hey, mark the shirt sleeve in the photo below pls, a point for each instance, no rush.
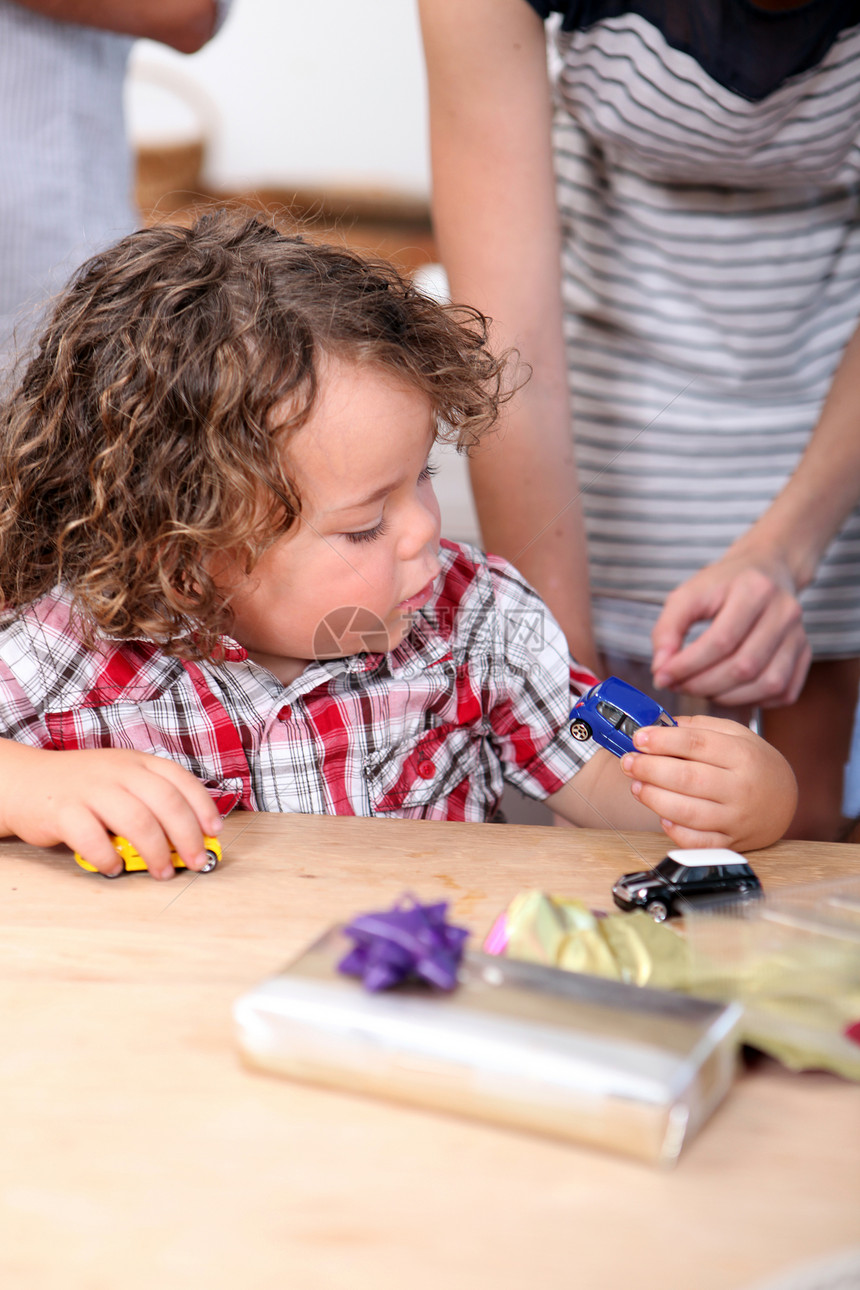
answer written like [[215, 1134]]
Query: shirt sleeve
[[19, 719], [537, 682]]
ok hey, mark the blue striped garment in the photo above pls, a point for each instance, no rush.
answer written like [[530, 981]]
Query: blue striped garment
[[66, 166]]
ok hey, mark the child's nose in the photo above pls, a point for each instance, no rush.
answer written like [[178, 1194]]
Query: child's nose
[[422, 528]]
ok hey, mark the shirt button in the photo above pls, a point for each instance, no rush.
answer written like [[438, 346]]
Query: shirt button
[[426, 769], [285, 712]]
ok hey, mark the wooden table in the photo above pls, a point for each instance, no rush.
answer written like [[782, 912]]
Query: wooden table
[[136, 1151]]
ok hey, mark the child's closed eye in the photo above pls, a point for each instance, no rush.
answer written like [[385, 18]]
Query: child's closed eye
[[379, 530], [368, 535]]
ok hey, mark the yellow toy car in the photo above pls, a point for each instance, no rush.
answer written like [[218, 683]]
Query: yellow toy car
[[133, 861]]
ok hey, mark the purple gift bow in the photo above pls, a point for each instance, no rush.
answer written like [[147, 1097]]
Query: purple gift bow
[[404, 942]]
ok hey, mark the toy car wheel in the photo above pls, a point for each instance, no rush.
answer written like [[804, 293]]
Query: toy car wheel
[[210, 863], [580, 730], [658, 911]]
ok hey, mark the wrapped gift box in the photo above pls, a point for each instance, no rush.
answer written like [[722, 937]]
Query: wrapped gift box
[[598, 1062]]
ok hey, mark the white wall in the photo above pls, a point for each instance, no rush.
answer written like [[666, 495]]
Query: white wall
[[304, 92]]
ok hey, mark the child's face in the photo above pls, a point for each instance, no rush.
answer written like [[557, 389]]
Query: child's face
[[368, 536]]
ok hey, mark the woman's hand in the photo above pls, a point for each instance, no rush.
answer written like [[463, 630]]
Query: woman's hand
[[81, 797], [755, 649], [712, 783]]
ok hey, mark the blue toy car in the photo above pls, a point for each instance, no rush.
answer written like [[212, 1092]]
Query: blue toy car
[[612, 712]]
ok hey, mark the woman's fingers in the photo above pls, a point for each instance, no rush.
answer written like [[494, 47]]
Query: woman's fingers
[[780, 683], [733, 610], [760, 668], [753, 648]]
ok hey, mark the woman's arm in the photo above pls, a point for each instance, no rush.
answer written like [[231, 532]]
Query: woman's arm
[[496, 224], [755, 650], [184, 24]]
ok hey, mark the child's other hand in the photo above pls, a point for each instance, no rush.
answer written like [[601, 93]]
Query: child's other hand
[[81, 797], [713, 783]]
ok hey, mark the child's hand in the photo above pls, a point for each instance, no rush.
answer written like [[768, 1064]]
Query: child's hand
[[713, 783], [81, 797]]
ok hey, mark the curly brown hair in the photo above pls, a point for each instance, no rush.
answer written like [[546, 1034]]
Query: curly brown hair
[[139, 441]]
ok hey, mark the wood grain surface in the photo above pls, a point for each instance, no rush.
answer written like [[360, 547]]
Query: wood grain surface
[[137, 1151]]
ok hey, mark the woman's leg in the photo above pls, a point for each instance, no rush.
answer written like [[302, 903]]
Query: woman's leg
[[814, 735]]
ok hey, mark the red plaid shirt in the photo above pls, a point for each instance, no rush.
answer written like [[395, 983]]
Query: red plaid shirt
[[479, 692]]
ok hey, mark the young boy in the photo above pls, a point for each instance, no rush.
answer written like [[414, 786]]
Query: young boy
[[221, 563]]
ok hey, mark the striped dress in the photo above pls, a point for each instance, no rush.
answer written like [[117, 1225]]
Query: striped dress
[[708, 165]]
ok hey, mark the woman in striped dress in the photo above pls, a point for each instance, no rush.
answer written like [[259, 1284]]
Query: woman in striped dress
[[701, 163]]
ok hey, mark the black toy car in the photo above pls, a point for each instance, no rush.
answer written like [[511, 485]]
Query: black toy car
[[684, 877]]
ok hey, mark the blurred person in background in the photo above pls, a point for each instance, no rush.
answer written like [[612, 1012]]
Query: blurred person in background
[[66, 167], [668, 230]]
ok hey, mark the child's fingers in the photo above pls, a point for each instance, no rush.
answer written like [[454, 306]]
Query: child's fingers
[[694, 838], [148, 800], [85, 833], [703, 721], [157, 813], [682, 776], [87, 826], [715, 778], [197, 797], [701, 814], [713, 740], [150, 836]]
